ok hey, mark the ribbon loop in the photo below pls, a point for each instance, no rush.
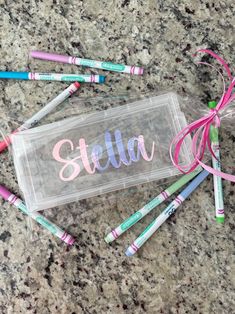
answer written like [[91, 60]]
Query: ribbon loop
[[200, 129]]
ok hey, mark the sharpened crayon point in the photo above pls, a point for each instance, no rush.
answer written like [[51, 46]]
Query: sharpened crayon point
[[3, 145], [220, 219], [102, 79], [129, 252], [212, 104], [77, 84], [107, 239]]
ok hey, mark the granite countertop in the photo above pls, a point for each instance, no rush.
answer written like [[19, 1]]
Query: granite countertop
[[186, 267]]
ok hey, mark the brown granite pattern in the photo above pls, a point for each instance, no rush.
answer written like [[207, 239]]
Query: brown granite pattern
[[188, 266]]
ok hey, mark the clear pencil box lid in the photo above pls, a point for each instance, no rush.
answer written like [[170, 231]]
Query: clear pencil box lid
[[91, 154]]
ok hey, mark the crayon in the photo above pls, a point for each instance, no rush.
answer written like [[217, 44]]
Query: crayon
[[82, 78], [168, 211], [88, 62], [133, 219], [42, 113], [218, 188]]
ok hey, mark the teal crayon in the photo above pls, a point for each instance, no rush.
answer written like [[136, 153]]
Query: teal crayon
[[82, 78]]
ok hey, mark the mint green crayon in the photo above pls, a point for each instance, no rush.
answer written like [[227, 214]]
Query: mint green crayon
[[133, 219], [218, 189]]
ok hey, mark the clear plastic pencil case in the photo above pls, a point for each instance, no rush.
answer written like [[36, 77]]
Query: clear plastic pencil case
[[91, 154]]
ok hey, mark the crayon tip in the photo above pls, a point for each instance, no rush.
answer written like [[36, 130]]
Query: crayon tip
[[4, 193], [212, 104], [3, 145], [129, 252], [220, 219], [32, 53], [107, 239], [102, 79], [141, 71], [77, 84]]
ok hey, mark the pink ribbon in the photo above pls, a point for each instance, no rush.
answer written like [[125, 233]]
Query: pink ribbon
[[200, 128]]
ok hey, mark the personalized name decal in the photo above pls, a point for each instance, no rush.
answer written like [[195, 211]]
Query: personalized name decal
[[72, 167]]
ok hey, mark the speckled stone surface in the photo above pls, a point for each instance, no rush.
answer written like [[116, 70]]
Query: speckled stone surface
[[188, 266]]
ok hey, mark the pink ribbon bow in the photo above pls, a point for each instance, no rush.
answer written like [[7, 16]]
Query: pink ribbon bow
[[201, 128]]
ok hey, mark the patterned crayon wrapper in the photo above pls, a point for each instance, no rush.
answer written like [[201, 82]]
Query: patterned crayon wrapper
[[83, 78]]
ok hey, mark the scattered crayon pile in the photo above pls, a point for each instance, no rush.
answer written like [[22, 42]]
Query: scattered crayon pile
[[196, 177], [31, 122]]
